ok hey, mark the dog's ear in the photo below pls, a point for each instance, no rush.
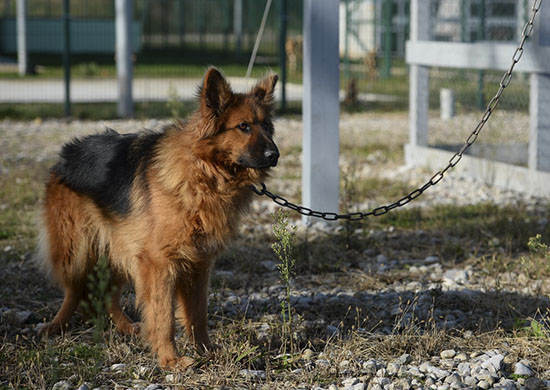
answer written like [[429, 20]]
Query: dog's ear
[[215, 93], [264, 89]]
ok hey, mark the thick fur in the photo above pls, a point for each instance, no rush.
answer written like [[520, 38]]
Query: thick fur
[[161, 206]]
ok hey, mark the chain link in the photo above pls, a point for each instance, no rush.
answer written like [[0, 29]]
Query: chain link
[[438, 176]]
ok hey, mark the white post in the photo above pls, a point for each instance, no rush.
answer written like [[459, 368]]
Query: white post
[[320, 106], [419, 79], [238, 24], [22, 57], [123, 9], [539, 99]]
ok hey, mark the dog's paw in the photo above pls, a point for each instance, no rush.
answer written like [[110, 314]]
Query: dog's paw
[[179, 363], [210, 350], [48, 329], [130, 328]]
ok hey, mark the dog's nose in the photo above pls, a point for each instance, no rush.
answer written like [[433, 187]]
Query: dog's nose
[[272, 156]]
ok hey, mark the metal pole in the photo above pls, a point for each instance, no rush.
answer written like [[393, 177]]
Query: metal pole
[[238, 25], [67, 56], [480, 98], [320, 106], [22, 56], [282, 52], [123, 26], [346, 42], [386, 70]]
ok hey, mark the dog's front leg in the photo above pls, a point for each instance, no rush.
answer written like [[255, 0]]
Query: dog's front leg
[[155, 290], [192, 308]]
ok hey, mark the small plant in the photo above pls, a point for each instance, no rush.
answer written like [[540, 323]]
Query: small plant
[[537, 263], [349, 199], [174, 103], [285, 236], [536, 246], [99, 296]]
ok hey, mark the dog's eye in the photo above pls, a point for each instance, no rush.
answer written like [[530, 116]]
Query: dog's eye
[[244, 127]]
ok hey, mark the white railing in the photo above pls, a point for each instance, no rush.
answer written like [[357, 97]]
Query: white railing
[[421, 53]]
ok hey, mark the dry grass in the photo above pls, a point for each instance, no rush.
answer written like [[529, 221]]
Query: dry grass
[[509, 285]]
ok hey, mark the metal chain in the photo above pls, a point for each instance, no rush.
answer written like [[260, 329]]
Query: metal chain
[[504, 82]]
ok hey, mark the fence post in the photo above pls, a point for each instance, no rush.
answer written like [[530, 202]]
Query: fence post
[[419, 77], [320, 106], [124, 57], [282, 52], [238, 25], [388, 26], [539, 99], [67, 56], [22, 57]]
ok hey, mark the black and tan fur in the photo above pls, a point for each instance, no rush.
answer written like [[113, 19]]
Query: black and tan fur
[[161, 206]]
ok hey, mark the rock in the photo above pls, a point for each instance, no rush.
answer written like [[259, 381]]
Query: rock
[[333, 331], [453, 378], [483, 385], [370, 366], [253, 374], [506, 384], [61, 385], [307, 354], [534, 383], [118, 367], [456, 276], [393, 368], [350, 382], [322, 363], [84, 386], [269, 265], [448, 354], [470, 381], [523, 369], [431, 259], [494, 364], [154, 386], [404, 359], [461, 357], [23, 316]]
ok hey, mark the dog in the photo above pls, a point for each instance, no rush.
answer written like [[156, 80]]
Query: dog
[[160, 206]]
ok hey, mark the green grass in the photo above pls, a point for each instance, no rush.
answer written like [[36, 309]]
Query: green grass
[[90, 111]]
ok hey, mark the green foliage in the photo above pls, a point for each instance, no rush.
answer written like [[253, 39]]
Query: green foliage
[[285, 236], [538, 247], [174, 104], [100, 294]]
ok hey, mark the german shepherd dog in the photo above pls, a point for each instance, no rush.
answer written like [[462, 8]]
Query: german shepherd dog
[[160, 206]]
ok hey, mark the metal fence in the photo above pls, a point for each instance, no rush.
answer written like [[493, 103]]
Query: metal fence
[[174, 40]]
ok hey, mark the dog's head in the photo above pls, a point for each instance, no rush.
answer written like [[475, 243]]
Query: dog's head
[[238, 126]]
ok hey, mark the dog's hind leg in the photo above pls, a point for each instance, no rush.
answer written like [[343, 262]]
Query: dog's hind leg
[[60, 323], [122, 322], [64, 250]]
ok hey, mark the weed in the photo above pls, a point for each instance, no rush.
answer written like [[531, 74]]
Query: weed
[[349, 199], [100, 293], [285, 236], [174, 104]]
